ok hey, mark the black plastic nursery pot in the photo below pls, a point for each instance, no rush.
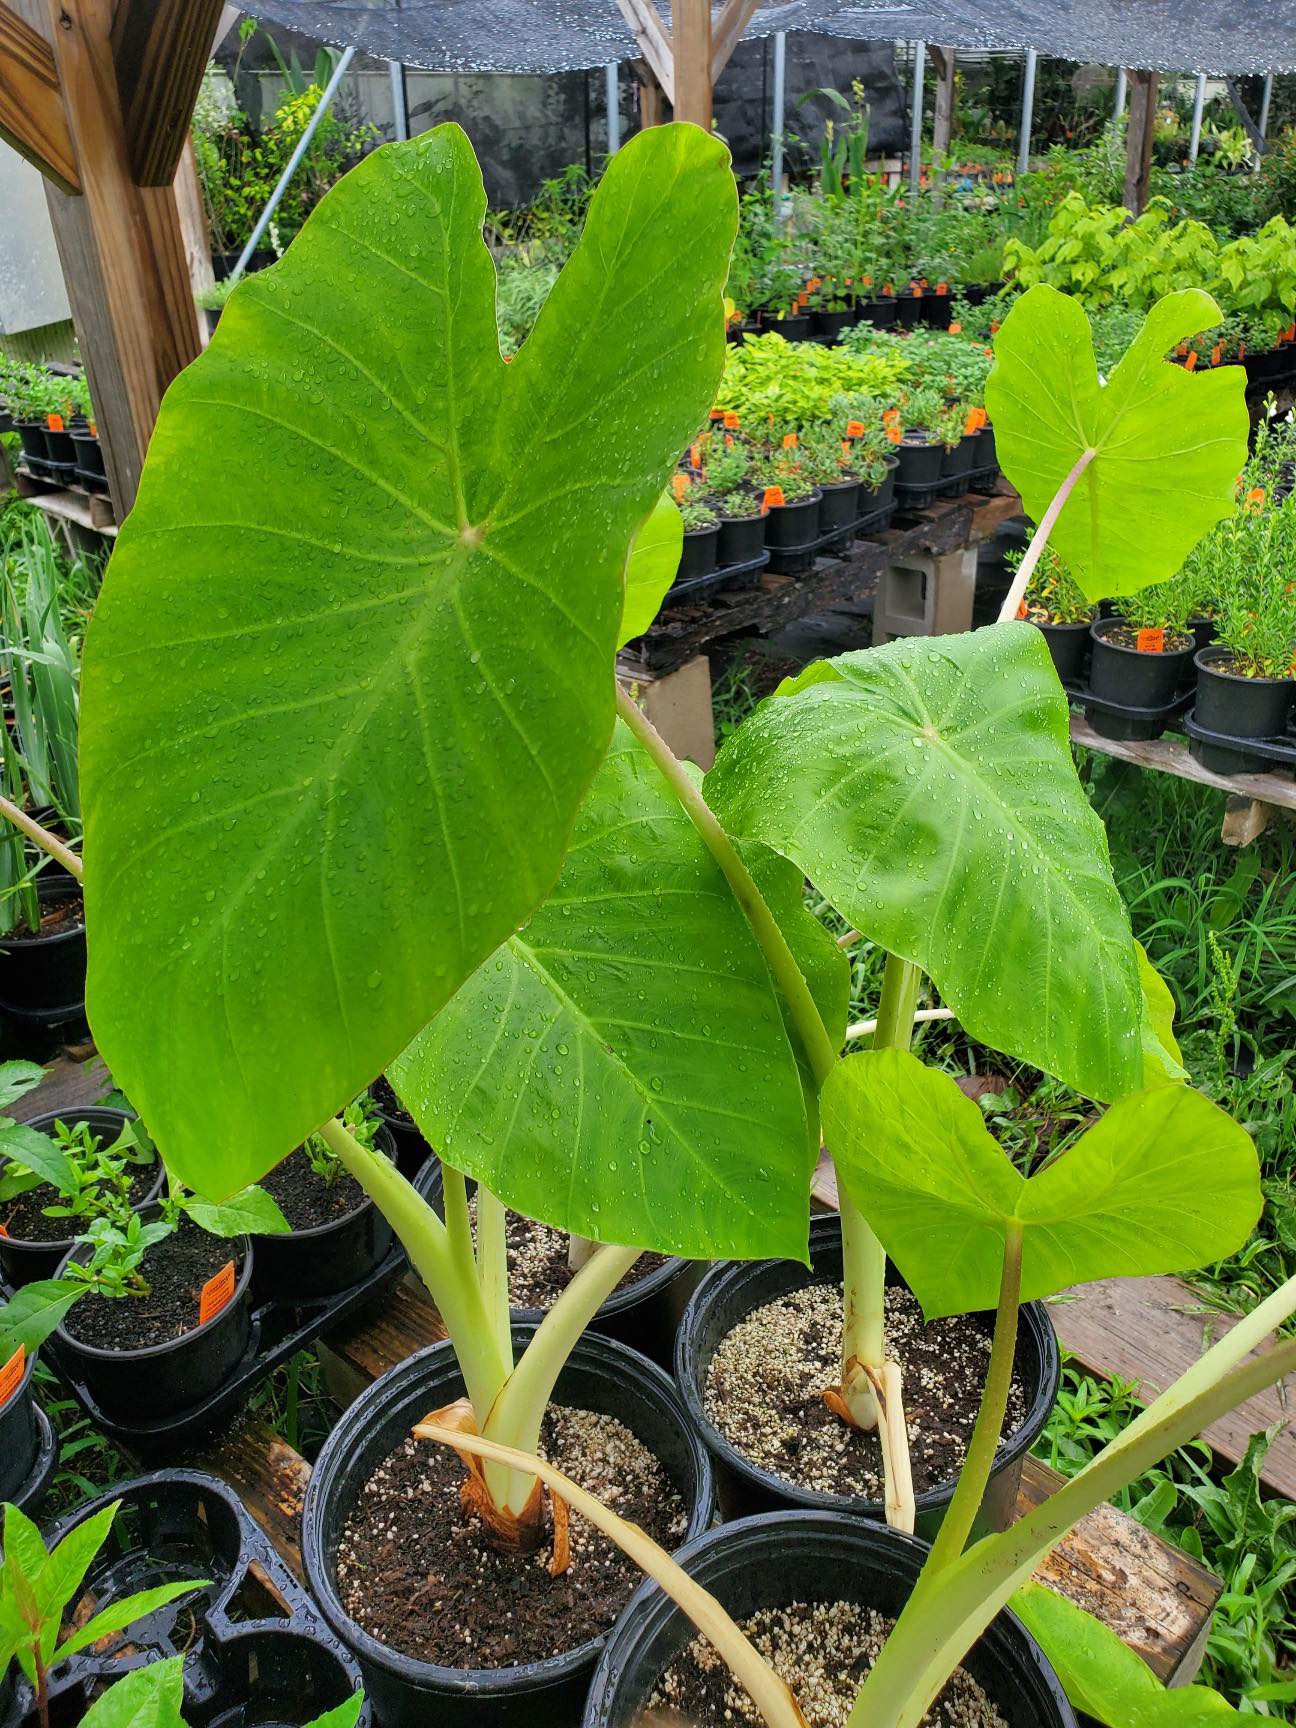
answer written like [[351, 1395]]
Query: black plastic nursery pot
[[1240, 708], [937, 309], [959, 460], [88, 451], [733, 1290], [838, 505], [1203, 633], [792, 526], [828, 326], [59, 447], [884, 494], [412, 1150], [1139, 688], [307, 1265], [599, 1375], [742, 538], [786, 1557], [920, 462], [42, 977], [986, 454], [1068, 646], [882, 312], [23, 1262], [28, 1446], [643, 1313], [31, 435], [698, 554], [909, 310], [793, 329], [163, 1379]]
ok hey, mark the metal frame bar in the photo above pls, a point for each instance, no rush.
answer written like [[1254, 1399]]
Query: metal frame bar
[[916, 120], [1028, 111], [613, 85], [1199, 102]]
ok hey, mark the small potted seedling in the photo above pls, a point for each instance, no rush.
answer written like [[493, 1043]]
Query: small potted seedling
[[958, 444], [1054, 604], [919, 447], [830, 462], [62, 1171], [789, 496], [1139, 660], [831, 307], [737, 498], [701, 536]]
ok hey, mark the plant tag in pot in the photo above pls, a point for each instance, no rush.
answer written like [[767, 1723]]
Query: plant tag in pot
[[1150, 641], [216, 1293], [11, 1374]]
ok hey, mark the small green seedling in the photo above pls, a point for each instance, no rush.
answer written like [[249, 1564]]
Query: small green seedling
[[37, 1589], [152, 1697]]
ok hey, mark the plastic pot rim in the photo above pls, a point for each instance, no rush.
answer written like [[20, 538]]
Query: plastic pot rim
[[311, 1232], [1207, 660], [46, 1119], [1096, 629]]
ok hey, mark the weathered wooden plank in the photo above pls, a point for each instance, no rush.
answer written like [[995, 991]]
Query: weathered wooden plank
[[1152, 1330], [1138, 140], [160, 50], [726, 32], [267, 1475], [67, 1086], [1171, 756], [691, 49], [654, 44], [32, 116]]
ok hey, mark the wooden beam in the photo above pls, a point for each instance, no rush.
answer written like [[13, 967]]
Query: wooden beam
[[943, 127], [31, 106], [691, 42], [1138, 143], [160, 51], [120, 245], [654, 41], [726, 32]]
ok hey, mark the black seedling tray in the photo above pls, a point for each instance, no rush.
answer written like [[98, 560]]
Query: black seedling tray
[[92, 481], [32, 1492], [278, 1331], [796, 560], [1136, 717], [1265, 753], [732, 574], [256, 1648]]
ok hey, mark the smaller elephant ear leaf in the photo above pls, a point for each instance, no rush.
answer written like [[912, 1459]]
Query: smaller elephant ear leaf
[[1167, 444], [1163, 1182]]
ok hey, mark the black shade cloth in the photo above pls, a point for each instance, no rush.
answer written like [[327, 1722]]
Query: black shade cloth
[[1218, 36]]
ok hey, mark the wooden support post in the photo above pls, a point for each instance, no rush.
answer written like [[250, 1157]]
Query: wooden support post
[[121, 246], [654, 41], [726, 32], [31, 107], [943, 126], [1138, 143], [691, 48], [160, 52], [652, 110]]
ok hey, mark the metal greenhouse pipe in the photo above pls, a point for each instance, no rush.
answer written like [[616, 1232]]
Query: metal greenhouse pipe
[[915, 121], [1118, 106], [613, 107], [1199, 101], [1265, 100], [1028, 112], [303, 144], [400, 109], [776, 125]]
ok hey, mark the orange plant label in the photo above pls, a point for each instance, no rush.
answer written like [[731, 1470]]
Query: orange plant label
[[717, 413], [789, 440], [695, 455], [679, 486], [895, 435], [854, 428], [1021, 610], [1216, 353], [956, 328], [942, 287], [11, 1374], [813, 283], [54, 422], [731, 420], [846, 446], [771, 499], [94, 430], [217, 1293], [4, 1232], [1190, 364], [1150, 641]]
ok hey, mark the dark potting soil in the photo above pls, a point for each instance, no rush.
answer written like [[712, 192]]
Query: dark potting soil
[[537, 1261], [57, 916], [765, 1384], [384, 1096], [823, 1650], [306, 1199], [176, 1270], [416, 1572], [1126, 636], [24, 1219]]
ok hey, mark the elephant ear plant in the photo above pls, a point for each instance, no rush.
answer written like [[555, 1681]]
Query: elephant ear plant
[[362, 794]]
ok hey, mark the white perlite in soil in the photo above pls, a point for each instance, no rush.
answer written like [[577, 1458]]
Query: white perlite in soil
[[823, 1650], [765, 1384]]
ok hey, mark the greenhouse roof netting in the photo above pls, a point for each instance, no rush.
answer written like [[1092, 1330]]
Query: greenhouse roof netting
[[567, 35]]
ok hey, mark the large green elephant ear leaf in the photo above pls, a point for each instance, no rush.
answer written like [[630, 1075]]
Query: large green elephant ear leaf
[[1164, 1181], [651, 567], [1168, 444], [351, 672], [620, 1066], [927, 789]]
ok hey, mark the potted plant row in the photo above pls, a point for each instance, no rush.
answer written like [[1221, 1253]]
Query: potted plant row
[[55, 423], [597, 987]]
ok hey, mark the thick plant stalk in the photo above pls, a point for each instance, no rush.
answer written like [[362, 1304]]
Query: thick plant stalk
[[770, 1695], [579, 1250], [1026, 569], [519, 1410], [951, 1607], [458, 1223], [42, 837], [492, 1265], [956, 1526]]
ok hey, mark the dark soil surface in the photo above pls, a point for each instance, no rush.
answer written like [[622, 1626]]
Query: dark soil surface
[[384, 1096], [537, 1261], [765, 1383], [1126, 636], [57, 917], [176, 1270], [823, 1650], [306, 1199], [416, 1572], [24, 1220]]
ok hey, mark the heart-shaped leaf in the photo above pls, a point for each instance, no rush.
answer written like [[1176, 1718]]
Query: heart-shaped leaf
[[1163, 1182], [1168, 444], [351, 671], [927, 789], [620, 1067], [652, 566]]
